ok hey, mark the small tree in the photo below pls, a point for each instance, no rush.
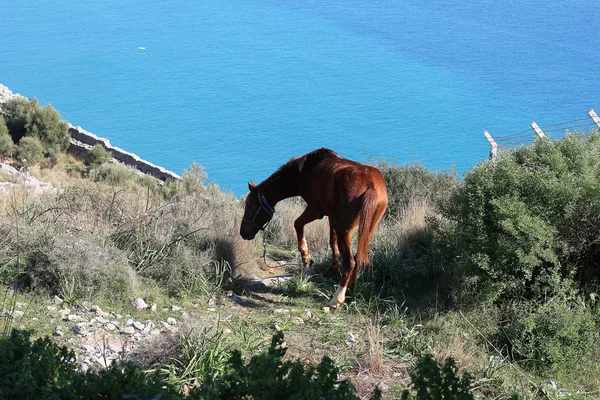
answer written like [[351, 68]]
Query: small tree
[[99, 155], [29, 152], [28, 118], [6, 144]]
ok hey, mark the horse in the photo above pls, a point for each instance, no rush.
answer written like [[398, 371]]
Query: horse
[[352, 195]]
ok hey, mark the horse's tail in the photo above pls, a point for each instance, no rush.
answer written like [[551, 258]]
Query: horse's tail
[[373, 207]]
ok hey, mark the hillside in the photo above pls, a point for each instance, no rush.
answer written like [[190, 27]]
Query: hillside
[[119, 265]]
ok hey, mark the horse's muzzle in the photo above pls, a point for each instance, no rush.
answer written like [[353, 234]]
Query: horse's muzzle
[[247, 235]]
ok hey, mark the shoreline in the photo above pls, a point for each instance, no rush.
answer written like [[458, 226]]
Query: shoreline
[[83, 141]]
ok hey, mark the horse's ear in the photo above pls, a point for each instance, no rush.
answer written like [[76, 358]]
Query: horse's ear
[[300, 163], [251, 186]]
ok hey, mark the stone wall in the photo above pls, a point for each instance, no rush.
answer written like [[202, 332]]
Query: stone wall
[[82, 142]]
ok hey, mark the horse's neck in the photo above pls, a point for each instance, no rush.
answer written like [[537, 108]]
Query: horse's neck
[[281, 186]]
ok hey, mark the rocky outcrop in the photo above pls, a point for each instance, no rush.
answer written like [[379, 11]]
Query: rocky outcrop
[[82, 142], [14, 178]]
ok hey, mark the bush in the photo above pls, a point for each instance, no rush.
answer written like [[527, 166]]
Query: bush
[[113, 174], [27, 118], [41, 369], [29, 152], [267, 377], [430, 382], [410, 183], [6, 142], [524, 223], [192, 181], [99, 155], [551, 337]]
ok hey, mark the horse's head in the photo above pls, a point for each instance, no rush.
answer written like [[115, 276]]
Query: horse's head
[[257, 213]]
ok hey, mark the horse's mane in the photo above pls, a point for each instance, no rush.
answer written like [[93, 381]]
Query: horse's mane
[[289, 166]]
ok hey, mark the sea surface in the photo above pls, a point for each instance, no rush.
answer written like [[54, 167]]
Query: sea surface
[[242, 86]]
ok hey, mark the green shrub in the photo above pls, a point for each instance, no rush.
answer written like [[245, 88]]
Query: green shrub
[[430, 382], [551, 337], [43, 370], [522, 224], [192, 181], [30, 152], [99, 155], [6, 142], [267, 377], [28, 118], [407, 183], [113, 174]]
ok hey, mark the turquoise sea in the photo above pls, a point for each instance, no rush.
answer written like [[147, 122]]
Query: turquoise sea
[[242, 86]]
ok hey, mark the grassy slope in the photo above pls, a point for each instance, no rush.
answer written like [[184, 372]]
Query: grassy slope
[[175, 250]]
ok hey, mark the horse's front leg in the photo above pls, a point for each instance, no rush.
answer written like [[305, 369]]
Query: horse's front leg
[[307, 216]]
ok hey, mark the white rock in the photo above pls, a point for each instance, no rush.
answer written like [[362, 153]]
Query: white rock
[[73, 317], [130, 330], [281, 311], [175, 308], [171, 321], [140, 304], [383, 387], [138, 325], [110, 327], [58, 333], [155, 332], [57, 300], [227, 331], [17, 313], [153, 307], [298, 321]]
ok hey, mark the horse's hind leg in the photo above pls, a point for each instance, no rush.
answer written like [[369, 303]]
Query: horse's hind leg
[[365, 235], [335, 251], [344, 241]]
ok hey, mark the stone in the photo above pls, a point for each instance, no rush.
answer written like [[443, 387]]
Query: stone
[[308, 314], [64, 312], [130, 330], [80, 328], [212, 302], [383, 387], [227, 331], [155, 331], [298, 321], [138, 325], [73, 317], [326, 309], [58, 333], [153, 307], [280, 311], [110, 327], [171, 321], [140, 304], [57, 300], [175, 308], [17, 313], [129, 322]]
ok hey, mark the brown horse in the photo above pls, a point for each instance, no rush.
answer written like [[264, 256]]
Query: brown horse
[[351, 194]]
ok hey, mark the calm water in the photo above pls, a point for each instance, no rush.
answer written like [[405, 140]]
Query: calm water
[[242, 86]]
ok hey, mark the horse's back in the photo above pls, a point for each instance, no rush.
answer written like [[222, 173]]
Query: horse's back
[[334, 179]]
